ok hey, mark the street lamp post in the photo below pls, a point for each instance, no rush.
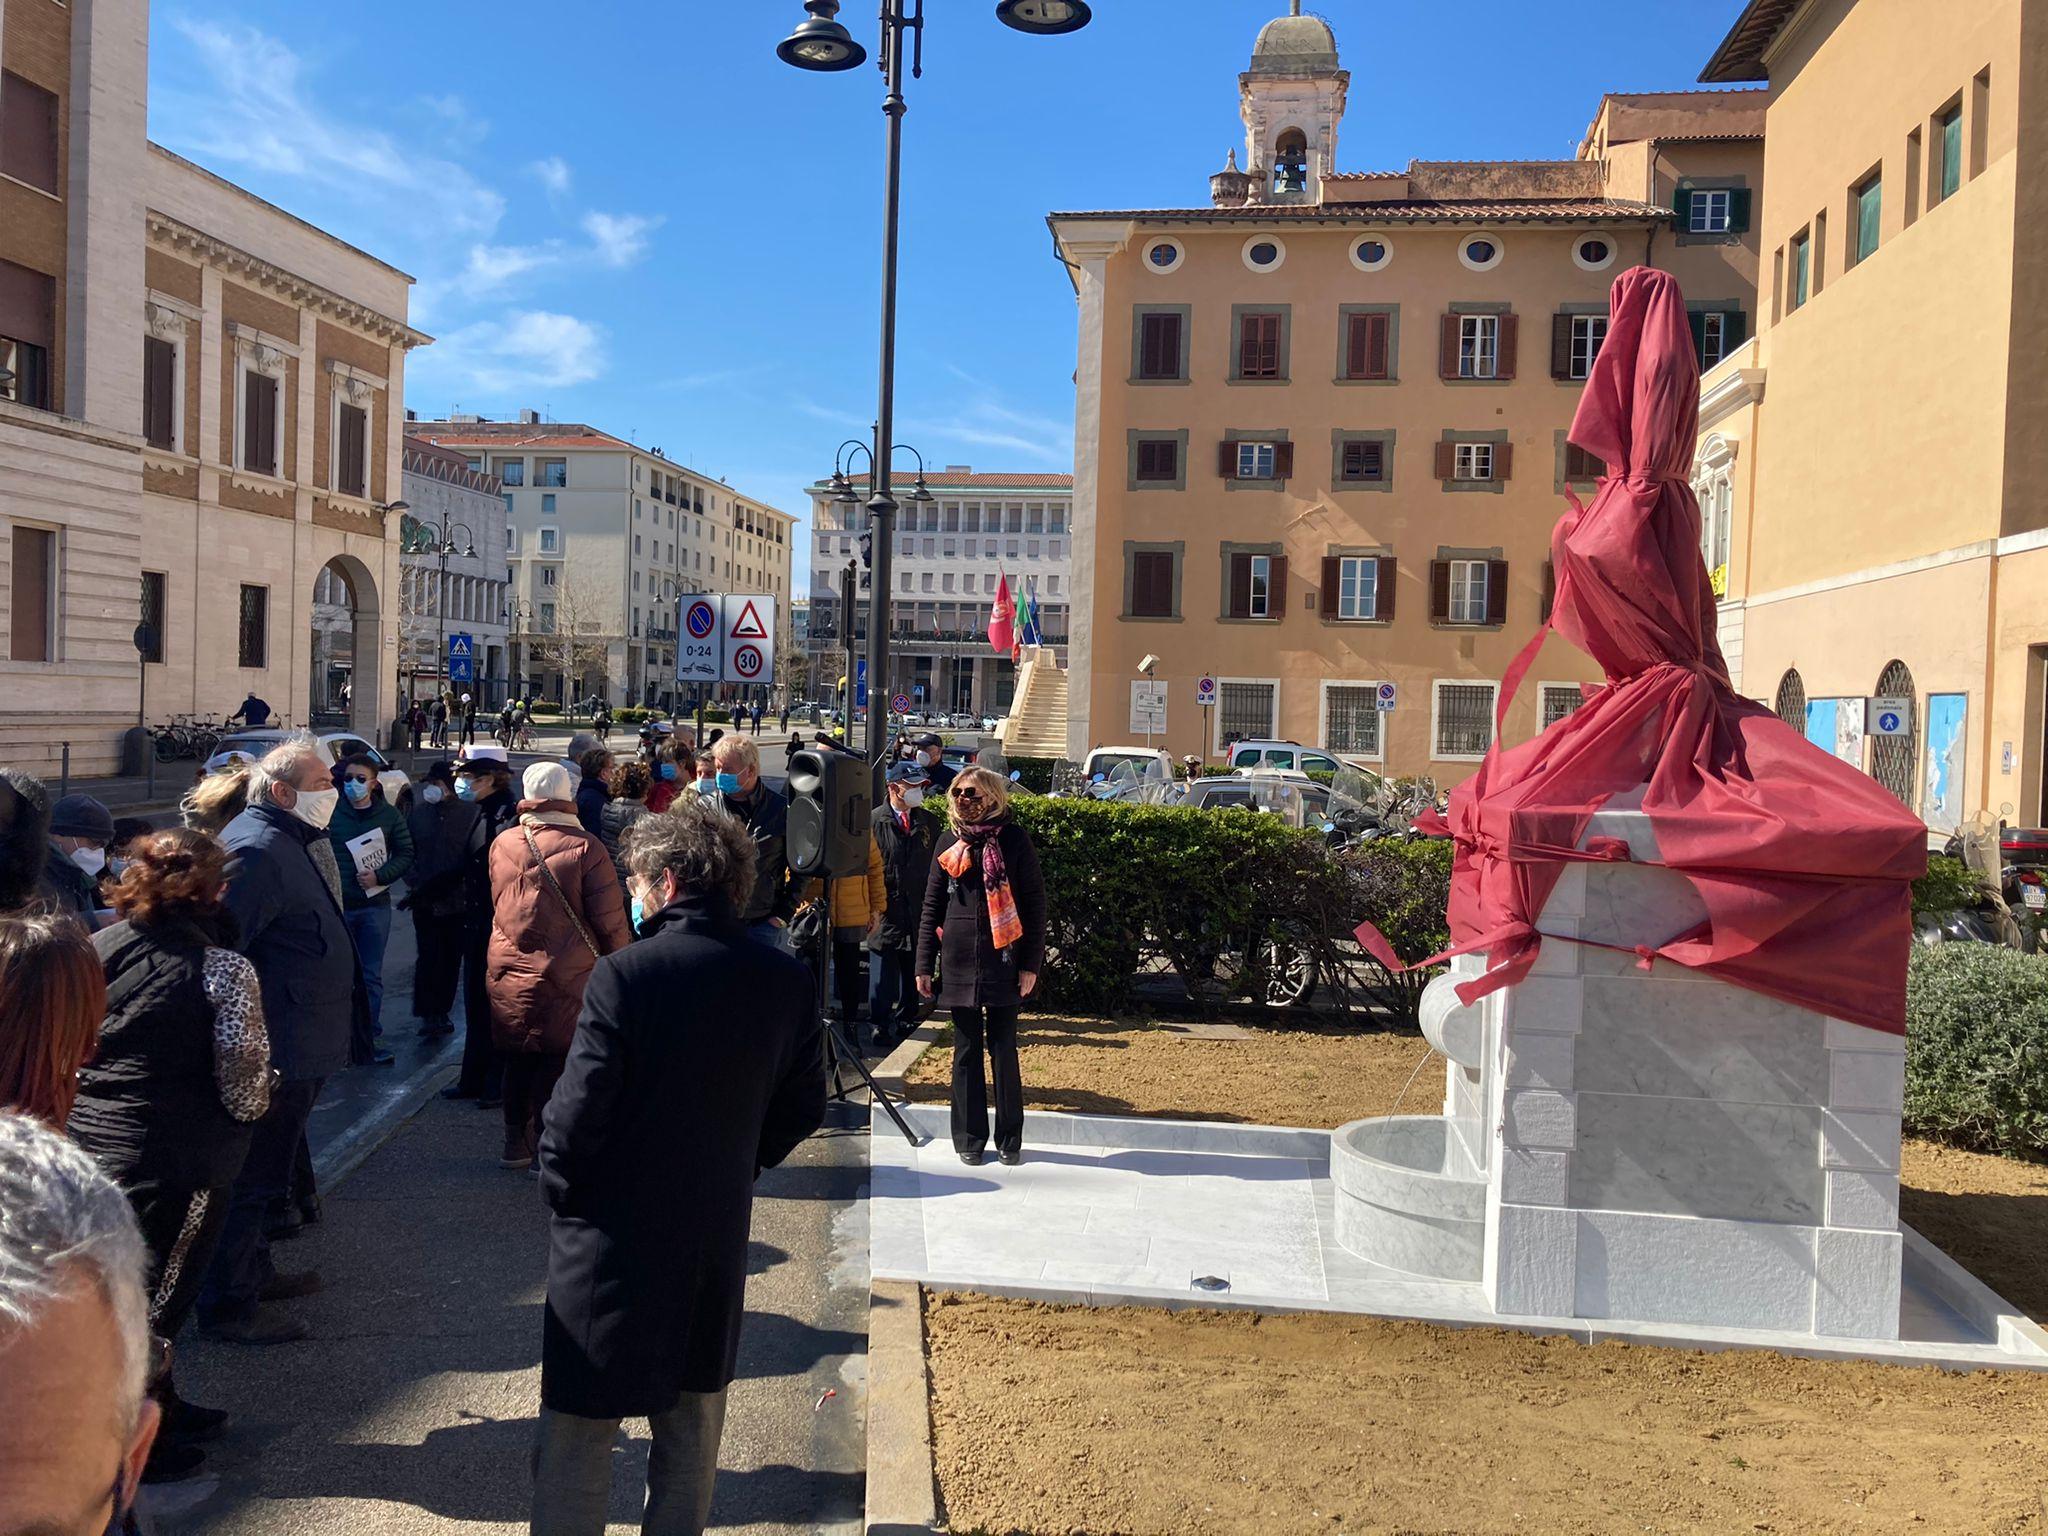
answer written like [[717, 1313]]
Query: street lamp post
[[820, 43]]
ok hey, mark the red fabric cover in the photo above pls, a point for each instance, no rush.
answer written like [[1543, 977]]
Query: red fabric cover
[[1803, 862]]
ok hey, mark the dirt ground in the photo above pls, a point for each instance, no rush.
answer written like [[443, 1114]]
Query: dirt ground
[[1991, 1213], [1071, 1419]]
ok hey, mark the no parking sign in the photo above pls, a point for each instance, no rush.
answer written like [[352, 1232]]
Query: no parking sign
[[700, 655], [1205, 691]]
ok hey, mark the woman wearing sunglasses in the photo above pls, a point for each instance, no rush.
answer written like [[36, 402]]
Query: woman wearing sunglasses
[[984, 927]]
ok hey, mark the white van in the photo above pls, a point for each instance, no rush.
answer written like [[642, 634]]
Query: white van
[[1288, 756]]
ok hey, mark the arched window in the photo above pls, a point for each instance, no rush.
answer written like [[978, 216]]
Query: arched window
[[1894, 758], [1290, 162], [1791, 704]]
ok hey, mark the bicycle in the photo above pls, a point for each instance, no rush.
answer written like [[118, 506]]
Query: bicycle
[[523, 737]]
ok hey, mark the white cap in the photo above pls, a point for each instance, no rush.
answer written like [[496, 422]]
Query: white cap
[[491, 754], [547, 781]]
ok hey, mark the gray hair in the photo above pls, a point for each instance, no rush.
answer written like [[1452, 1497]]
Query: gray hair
[[60, 1216], [280, 765], [706, 850], [579, 744]]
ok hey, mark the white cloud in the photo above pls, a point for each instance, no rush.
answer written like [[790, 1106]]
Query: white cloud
[[491, 267], [253, 108], [526, 349], [620, 239], [552, 173]]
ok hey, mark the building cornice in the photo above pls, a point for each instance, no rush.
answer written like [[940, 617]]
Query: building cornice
[[173, 235], [1728, 392]]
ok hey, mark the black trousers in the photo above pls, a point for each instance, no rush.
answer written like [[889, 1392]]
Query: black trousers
[[241, 1262], [530, 1078], [849, 983], [440, 964], [483, 1070], [991, 1032]]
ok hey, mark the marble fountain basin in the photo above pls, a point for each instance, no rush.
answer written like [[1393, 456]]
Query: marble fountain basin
[[1397, 1205]]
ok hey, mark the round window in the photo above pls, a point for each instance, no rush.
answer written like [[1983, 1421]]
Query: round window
[[1480, 254], [1593, 253], [1163, 255], [1263, 253], [1371, 253]]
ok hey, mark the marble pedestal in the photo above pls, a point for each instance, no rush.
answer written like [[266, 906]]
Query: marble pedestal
[[1659, 1146]]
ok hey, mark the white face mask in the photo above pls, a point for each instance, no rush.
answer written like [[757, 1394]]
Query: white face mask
[[913, 796], [315, 807], [91, 860], [432, 794]]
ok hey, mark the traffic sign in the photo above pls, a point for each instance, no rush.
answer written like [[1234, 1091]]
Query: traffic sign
[[747, 625], [747, 631], [747, 662], [860, 683], [1205, 691], [1891, 716], [900, 703], [1384, 696], [700, 650], [461, 659]]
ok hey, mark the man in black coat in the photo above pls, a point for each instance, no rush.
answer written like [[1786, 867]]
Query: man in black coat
[[906, 839], [698, 1061]]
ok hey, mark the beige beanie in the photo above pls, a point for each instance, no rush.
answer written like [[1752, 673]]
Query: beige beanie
[[546, 781]]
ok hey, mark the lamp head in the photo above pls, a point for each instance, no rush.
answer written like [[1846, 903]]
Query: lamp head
[[820, 43], [1146, 666], [1044, 18]]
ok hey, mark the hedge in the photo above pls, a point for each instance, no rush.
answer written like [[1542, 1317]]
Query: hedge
[[1977, 1047]]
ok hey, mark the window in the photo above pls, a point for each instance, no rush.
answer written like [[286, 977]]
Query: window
[[1358, 587], [262, 430], [1160, 354], [1244, 711], [511, 541], [551, 541], [159, 393], [506, 497], [1584, 334], [1463, 719], [1254, 461], [1593, 254], [1948, 149], [1557, 701], [253, 632], [351, 449], [1791, 702], [1351, 718], [548, 574], [1480, 254], [552, 472], [1868, 200], [1362, 461], [1473, 461], [155, 611], [1468, 591], [946, 582], [29, 363], [511, 471], [1158, 459], [34, 593], [1256, 585], [1716, 333], [1163, 255], [1258, 347], [636, 542], [1154, 585], [1371, 253], [1802, 268], [1708, 210], [547, 501], [1263, 255], [28, 133], [1582, 464], [547, 618], [1478, 346], [1368, 345]]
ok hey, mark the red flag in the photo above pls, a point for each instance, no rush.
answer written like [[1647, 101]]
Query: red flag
[[1002, 633]]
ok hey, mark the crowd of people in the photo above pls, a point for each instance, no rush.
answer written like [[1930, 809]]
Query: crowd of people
[[173, 1002]]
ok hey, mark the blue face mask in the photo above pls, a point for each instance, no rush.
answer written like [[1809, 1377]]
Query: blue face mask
[[465, 789], [728, 783], [358, 790], [639, 914], [668, 770]]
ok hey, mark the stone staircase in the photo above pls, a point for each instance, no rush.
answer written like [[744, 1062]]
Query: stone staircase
[[1037, 724]]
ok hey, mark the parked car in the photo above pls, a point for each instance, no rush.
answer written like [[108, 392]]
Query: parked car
[[334, 746], [1103, 762], [1287, 756], [989, 724], [957, 758]]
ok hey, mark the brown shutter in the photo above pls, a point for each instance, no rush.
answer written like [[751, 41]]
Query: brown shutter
[[1358, 347], [1440, 591], [158, 422], [1446, 460], [1447, 348], [1248, 346], [1226, 460], [1378, 359], [1560, 346], [1276, 588], [1269, 346], [1333, 585], [1504, 359], [1283, 460], [354, 423], [1383, 588], [1503, 460], [1240, 595], [1549, 589], [259, 419], [1496, 591]]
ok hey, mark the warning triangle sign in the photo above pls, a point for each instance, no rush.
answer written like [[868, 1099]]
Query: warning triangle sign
[[748, 625]]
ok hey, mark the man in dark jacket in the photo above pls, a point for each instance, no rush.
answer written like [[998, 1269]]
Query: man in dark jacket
[[644, 1309], [448, 841], [292, 932], [930, 751], [765, 814], [80, 830], [906, 839], [253, 713], [483, 778], [24, 836]]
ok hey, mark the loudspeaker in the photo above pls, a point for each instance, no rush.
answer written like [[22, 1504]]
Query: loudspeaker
[[830, 795]]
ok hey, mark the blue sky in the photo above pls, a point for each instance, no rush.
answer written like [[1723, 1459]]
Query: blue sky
[[635, 215]]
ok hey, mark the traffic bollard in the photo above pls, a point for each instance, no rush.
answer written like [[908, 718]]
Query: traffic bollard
[[64, 773]]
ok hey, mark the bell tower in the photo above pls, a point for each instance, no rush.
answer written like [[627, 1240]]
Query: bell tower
[[1291, 99]]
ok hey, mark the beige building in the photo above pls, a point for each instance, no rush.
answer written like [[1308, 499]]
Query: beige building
[[199, 415], [602, 536], [1320, 419], [1878, 450]]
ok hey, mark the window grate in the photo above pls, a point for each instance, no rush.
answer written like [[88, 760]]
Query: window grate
[[1791, 705], [154, 602], [254, 626], [1354, 719], [1893, 758], [1559, 700], [1244, 711], [1464, 719]]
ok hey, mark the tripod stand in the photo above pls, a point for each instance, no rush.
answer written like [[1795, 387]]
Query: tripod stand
[[839, 1051]]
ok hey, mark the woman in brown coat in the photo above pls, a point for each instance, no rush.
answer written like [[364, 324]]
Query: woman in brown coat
[[555, 908]]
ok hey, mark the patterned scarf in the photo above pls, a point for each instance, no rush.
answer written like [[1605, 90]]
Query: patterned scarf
[[1004, 925]]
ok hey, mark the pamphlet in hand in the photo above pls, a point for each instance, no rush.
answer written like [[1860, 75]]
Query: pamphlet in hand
[[368, 851]]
